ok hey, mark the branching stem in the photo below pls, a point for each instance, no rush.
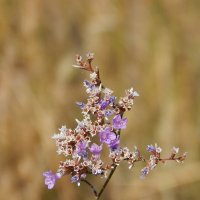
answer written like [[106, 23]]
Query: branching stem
[[91, 186]]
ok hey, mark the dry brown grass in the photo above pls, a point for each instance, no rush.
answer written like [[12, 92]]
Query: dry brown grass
[[151, 45]]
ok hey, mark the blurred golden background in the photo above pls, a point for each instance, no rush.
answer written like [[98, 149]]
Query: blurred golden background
[[152, 45]]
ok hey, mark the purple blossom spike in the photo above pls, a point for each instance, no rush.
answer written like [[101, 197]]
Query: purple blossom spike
[[119, 123], [81, 149], [107, 136], [51, 178]]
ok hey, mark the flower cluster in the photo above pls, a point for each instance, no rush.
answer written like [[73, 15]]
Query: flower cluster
[[102, 122]]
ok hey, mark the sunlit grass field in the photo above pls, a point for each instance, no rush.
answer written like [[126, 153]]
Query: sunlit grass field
[[151, 45]]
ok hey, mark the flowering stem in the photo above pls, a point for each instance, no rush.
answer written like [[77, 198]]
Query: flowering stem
[[106, 182], [98, 195], [97, 111], [110, 175]]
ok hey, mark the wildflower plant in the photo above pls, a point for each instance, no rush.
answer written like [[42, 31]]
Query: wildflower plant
[[102, 122]]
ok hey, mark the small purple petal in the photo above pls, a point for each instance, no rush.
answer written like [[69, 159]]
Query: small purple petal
[[51, 178], [108, 113], [119, 123], [95, 149], [75, 179], [80, 104], [88, 84], [81, 148], [112, 99], [150, 148], [104, 104], [107, 136], [114, 144], [144, 172]]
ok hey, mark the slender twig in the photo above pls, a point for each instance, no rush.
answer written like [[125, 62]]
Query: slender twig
[[91, 186], [106, 182]]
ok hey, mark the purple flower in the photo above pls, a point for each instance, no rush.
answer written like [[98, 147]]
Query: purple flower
[[81, 148], [104, 104], [75, 179], [112, 99], [108, 113], [88, 84], [150, 148], [51, 178], [80, 104], [114, 144], [144, 172], [119, 123], [96, 150], [107, 136], [154, 149]]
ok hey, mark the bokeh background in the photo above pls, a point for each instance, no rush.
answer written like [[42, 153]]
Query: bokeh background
[[152, 45]]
